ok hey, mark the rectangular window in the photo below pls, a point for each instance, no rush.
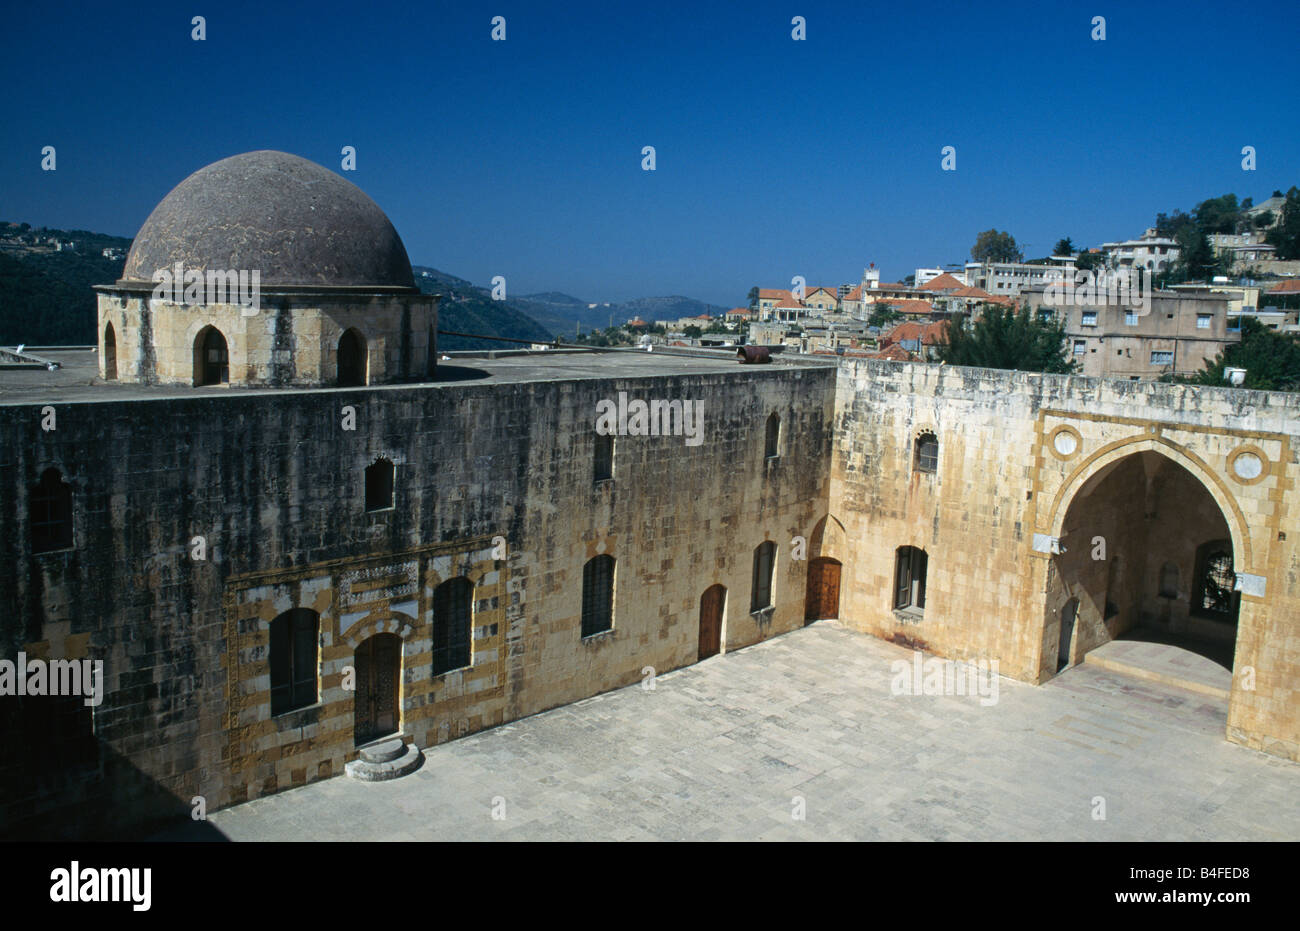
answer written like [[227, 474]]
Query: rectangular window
[[1089, 318], [1162, 357], [1202, 321], [1130, 318], [764, 562], [909, 578], [604, 466], [598, 595], [1080, 346], [452, 624]]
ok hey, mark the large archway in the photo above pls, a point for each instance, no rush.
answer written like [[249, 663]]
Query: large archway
[[1148, 554]]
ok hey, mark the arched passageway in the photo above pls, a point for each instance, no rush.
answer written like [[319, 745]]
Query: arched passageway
[[1149, 556]]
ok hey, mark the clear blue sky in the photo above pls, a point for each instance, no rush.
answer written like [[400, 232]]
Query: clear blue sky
[[775, 157]]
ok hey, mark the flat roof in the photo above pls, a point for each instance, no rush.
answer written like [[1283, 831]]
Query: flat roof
[[77, 380]]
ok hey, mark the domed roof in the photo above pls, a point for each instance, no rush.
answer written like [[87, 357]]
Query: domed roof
[[296, 222]]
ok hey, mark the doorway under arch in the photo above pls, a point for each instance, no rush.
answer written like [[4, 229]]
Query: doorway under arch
[[1148, 556], [352, 359], [211, 358]]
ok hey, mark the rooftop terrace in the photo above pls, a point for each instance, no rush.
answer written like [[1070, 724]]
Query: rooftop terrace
[[77, 379]]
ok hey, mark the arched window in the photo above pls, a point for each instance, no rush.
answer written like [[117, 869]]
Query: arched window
[[211, 358], [110, 352], [909, 578], [379, 484], [773, 445], [293, 660], [598, 595], [452, 623], [604, 460], [352, 359], [926, 457], [50, 512], [761, 587]]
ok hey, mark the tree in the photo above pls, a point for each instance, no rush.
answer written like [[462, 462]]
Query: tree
[[1064, 247], [882, 315], [1265, 219], [992, 246], [753, 298], [693, 332], [1168, 225], [1271, 360], [1218, 214], [1006, 338], [1286, 236], [1196, 261], [1087, 261]]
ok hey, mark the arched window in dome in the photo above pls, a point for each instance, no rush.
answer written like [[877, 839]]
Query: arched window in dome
[[211, 358], [352, 359], [110, 352]]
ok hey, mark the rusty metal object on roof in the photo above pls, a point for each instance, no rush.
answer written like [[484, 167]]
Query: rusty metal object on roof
[[753, 355]]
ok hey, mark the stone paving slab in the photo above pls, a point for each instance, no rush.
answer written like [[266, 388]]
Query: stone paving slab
[[732, 748], [1165, 663]]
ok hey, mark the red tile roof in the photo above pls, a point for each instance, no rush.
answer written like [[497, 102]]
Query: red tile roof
[[1290, 286], [930, 334], [774, 294], [944, 282]]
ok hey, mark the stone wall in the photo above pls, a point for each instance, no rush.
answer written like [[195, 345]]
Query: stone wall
[[270, 488], [1015, 451], [291, 341]]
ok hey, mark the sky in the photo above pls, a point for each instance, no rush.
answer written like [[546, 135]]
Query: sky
[[774, 157]]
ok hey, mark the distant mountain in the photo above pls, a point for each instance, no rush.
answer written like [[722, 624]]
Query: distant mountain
[[466, 308], [45, 294], [563, 313]]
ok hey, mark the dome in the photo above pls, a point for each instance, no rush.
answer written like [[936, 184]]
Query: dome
[[294, 221]]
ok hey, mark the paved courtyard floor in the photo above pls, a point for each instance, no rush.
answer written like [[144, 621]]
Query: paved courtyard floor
[[735, 747]]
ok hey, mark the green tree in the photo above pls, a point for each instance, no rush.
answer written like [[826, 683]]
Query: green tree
[[753, 298], [1064, 247], [992, 246], [1218, 214], [1286, 237], [1087, 261], [693, 332], [882, 315], [1271, 360], [1006, 338], [1196, 261]]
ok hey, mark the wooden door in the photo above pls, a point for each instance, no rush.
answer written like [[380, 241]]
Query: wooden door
[[378, 664], [712, 603], [823, 598]]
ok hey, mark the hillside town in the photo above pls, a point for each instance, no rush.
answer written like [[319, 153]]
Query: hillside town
[[1129, 321]]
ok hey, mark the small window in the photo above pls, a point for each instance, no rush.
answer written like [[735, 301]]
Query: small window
[[452, 624], [598, 595], [379, 485], [1089, 318], [1215, 594], [909, 578], [1130, 318], [764, 563], [293, 660], [1080, 346], [1203, 321], [604, 460], [50, 513], [352, 359], [927, 453], [773, 444], [1162, 357]]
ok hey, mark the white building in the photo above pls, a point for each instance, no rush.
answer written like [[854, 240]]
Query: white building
[[1152, 252]]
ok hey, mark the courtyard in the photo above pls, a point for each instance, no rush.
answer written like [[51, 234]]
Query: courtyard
[[800, 737]]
